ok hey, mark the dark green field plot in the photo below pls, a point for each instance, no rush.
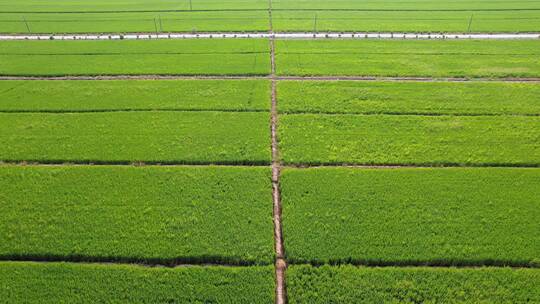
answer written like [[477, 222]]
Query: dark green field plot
[[428, 58], [167, 57], [407, 21], [348, 284], [120, 6], [223, 95], [444, 216], [410, 140], [83, 283], [129, 214], [472, 98], [200, 21], [125, 137]]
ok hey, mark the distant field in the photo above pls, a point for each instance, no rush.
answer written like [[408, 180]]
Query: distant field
[[410, 140], [126, 5], [450, 216], [84, 283], [201, 21], [125, 137], [405, 5], [348, 284], [458, 58], [473, 98], [149, 214], [407, 21], [222, 95], [168, 57]]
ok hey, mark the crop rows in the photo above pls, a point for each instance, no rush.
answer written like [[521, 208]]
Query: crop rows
[[160, 215], [205, 16], [83, 283], [452, 216], [339, 224], [348, 284], [133, 95], [411, 58]]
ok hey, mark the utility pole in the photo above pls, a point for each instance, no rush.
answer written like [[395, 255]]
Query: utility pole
[[190, 5], [315, 24], [160, 24], [155, 25], [470, 23], [27, 26]]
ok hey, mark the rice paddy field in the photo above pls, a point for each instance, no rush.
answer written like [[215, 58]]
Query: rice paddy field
[[269, 170]]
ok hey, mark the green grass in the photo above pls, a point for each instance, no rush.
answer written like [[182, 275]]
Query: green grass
[[410, 140], [202, 21], [450, 216], [137, 214], [126, 137], [428, 58], [125, 5], [404, 5], [83, 283], [221, 95], [167, 57], [349, 284], [473, 98]]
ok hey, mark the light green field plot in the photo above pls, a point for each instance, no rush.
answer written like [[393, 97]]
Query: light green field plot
[[473, 98], [25, 6], [148, 214], [410, 140], [221, 95], [201, 21], [407, 21], [348, 284], [168, 57], [83, 283], [125, 137], [449, 216], [440, 58], [414, 5]]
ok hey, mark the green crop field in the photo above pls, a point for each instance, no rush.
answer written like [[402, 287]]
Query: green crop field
[[410, 140], [198, 21], [23, 6], [451, 216], [124, 137], [119, 95], [167, 57], [82, 283], [430, 58], [347, 284], [405, 21], [148, 214], [251, 161], [414, 5], [354, 97]]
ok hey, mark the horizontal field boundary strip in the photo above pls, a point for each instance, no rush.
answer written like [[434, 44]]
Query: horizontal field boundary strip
[[82, 111], [289, 35], [247, 164], [62, 111], [274, 9], [149, 262], [267, 77], [171, 263]]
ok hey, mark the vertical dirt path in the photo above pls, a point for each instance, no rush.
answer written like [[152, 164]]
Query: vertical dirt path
[[281, 265]]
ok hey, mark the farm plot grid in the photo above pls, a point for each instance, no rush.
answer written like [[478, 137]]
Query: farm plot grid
[[265, 170]]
